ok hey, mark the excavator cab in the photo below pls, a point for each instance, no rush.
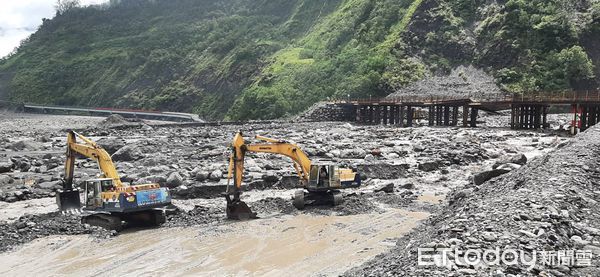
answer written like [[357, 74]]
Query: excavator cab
[[93, 190], [324, 177]]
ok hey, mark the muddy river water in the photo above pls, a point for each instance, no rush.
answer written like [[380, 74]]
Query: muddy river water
[[305, 245]]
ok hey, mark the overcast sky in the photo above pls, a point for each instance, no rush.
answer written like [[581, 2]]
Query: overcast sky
[[20, 18]]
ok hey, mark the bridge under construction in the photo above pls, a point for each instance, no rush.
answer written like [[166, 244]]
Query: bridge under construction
[[528, 111]]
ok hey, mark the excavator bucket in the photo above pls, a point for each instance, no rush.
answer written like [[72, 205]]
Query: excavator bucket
[[239, 211], [68, 200]]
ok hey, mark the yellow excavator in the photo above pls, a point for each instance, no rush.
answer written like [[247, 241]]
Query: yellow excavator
[[318, 182], [108, 201]]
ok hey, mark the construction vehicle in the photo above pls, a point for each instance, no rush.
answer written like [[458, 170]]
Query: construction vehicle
[[108, 201], [318, 182]]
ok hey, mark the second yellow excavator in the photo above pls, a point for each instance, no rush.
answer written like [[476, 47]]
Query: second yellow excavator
[[318, 182]]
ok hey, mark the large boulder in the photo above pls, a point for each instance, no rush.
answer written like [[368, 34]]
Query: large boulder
[[6, 166], [201, 176], [429, 166], [216, 175], [482, 177], [49, 185], [174, 180], [519, 159], [113, 120], [386, 187], [128, 153], [25, 145], [161, 180], [355, 153], [270, 177], [5, 180], [111, 145]]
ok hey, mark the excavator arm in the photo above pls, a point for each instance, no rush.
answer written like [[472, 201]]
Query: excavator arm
[[68, 198], [91, 150], [237, 209], [236, 161]]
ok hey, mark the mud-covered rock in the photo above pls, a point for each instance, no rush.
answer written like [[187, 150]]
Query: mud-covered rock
[[548, 205], [30, 227], [387, 188], [154, 179], [201, 176], [49, 185], [355, 153], [6, 166], [174, 180], [216, 175], [25, 145], [482, 177], [111, 145], [382, 170], [128, 153], [518, 159], [429, 166], [199, 215], [5, 180]]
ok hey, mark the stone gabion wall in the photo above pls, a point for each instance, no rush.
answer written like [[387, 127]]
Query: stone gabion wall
[[330, 112]]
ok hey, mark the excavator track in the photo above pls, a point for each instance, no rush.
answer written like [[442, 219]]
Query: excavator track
[[337, 198], [145, 218], [299, 199], [106, 221]]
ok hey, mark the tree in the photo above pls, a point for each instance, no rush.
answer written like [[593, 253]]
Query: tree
[[576, 64], [62, 6]]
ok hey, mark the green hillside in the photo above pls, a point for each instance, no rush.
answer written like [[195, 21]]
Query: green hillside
[[243, 59]]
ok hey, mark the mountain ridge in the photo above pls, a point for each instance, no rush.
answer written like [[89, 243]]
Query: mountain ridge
[[241, 59]]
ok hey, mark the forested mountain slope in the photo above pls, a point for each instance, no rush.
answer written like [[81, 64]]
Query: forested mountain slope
[[244, 59]]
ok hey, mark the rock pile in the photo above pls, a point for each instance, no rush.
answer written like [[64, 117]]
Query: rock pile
[[547, 207], [30, 227], [463, 81], [328, 112]]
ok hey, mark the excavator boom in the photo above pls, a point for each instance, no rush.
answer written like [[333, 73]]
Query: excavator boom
[[68, 198], [90, 150]]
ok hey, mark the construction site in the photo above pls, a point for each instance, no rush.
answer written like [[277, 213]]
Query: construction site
[[313, 197], [300, 137]]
